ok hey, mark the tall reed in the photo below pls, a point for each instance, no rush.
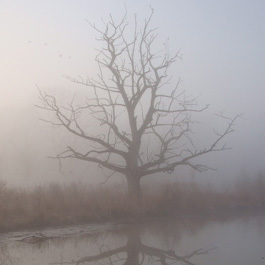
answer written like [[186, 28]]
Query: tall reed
[[56, 204]]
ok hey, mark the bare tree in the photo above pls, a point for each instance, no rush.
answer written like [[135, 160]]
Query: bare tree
[[145, 122]]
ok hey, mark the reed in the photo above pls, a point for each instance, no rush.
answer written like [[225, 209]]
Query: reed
[[77, 203]]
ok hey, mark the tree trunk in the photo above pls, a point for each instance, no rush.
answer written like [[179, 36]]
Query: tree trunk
[[134, 187], [132, 174]]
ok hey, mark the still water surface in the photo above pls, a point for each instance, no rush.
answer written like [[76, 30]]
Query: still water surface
[[186, 241]]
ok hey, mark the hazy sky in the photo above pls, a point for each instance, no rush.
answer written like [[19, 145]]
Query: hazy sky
[[223, 47]]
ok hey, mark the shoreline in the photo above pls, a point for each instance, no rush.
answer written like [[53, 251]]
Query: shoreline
[[217, 216]]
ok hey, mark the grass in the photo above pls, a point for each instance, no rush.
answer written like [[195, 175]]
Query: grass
[[56, 204]]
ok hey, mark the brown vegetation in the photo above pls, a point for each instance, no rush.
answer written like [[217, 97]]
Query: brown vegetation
[[76, 203]]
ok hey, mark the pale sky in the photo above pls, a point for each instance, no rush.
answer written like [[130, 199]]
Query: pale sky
[[223, 47]]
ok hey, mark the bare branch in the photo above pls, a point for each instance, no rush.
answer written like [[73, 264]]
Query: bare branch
[[145, 121]]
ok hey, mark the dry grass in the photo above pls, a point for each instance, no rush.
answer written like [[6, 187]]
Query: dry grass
[[61, 205]]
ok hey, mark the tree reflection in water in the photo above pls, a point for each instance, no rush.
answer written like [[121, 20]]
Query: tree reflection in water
[[136, 253]]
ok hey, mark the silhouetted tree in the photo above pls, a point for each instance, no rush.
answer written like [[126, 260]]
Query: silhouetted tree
[[145, 120]]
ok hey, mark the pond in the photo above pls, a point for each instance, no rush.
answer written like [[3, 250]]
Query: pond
[[183, 241]]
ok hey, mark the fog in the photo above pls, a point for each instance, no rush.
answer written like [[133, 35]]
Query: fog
[[223, 62]]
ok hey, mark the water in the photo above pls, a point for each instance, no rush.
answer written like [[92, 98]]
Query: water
[[185, 241]]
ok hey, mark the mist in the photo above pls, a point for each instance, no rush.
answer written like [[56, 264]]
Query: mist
[[222, 47]]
